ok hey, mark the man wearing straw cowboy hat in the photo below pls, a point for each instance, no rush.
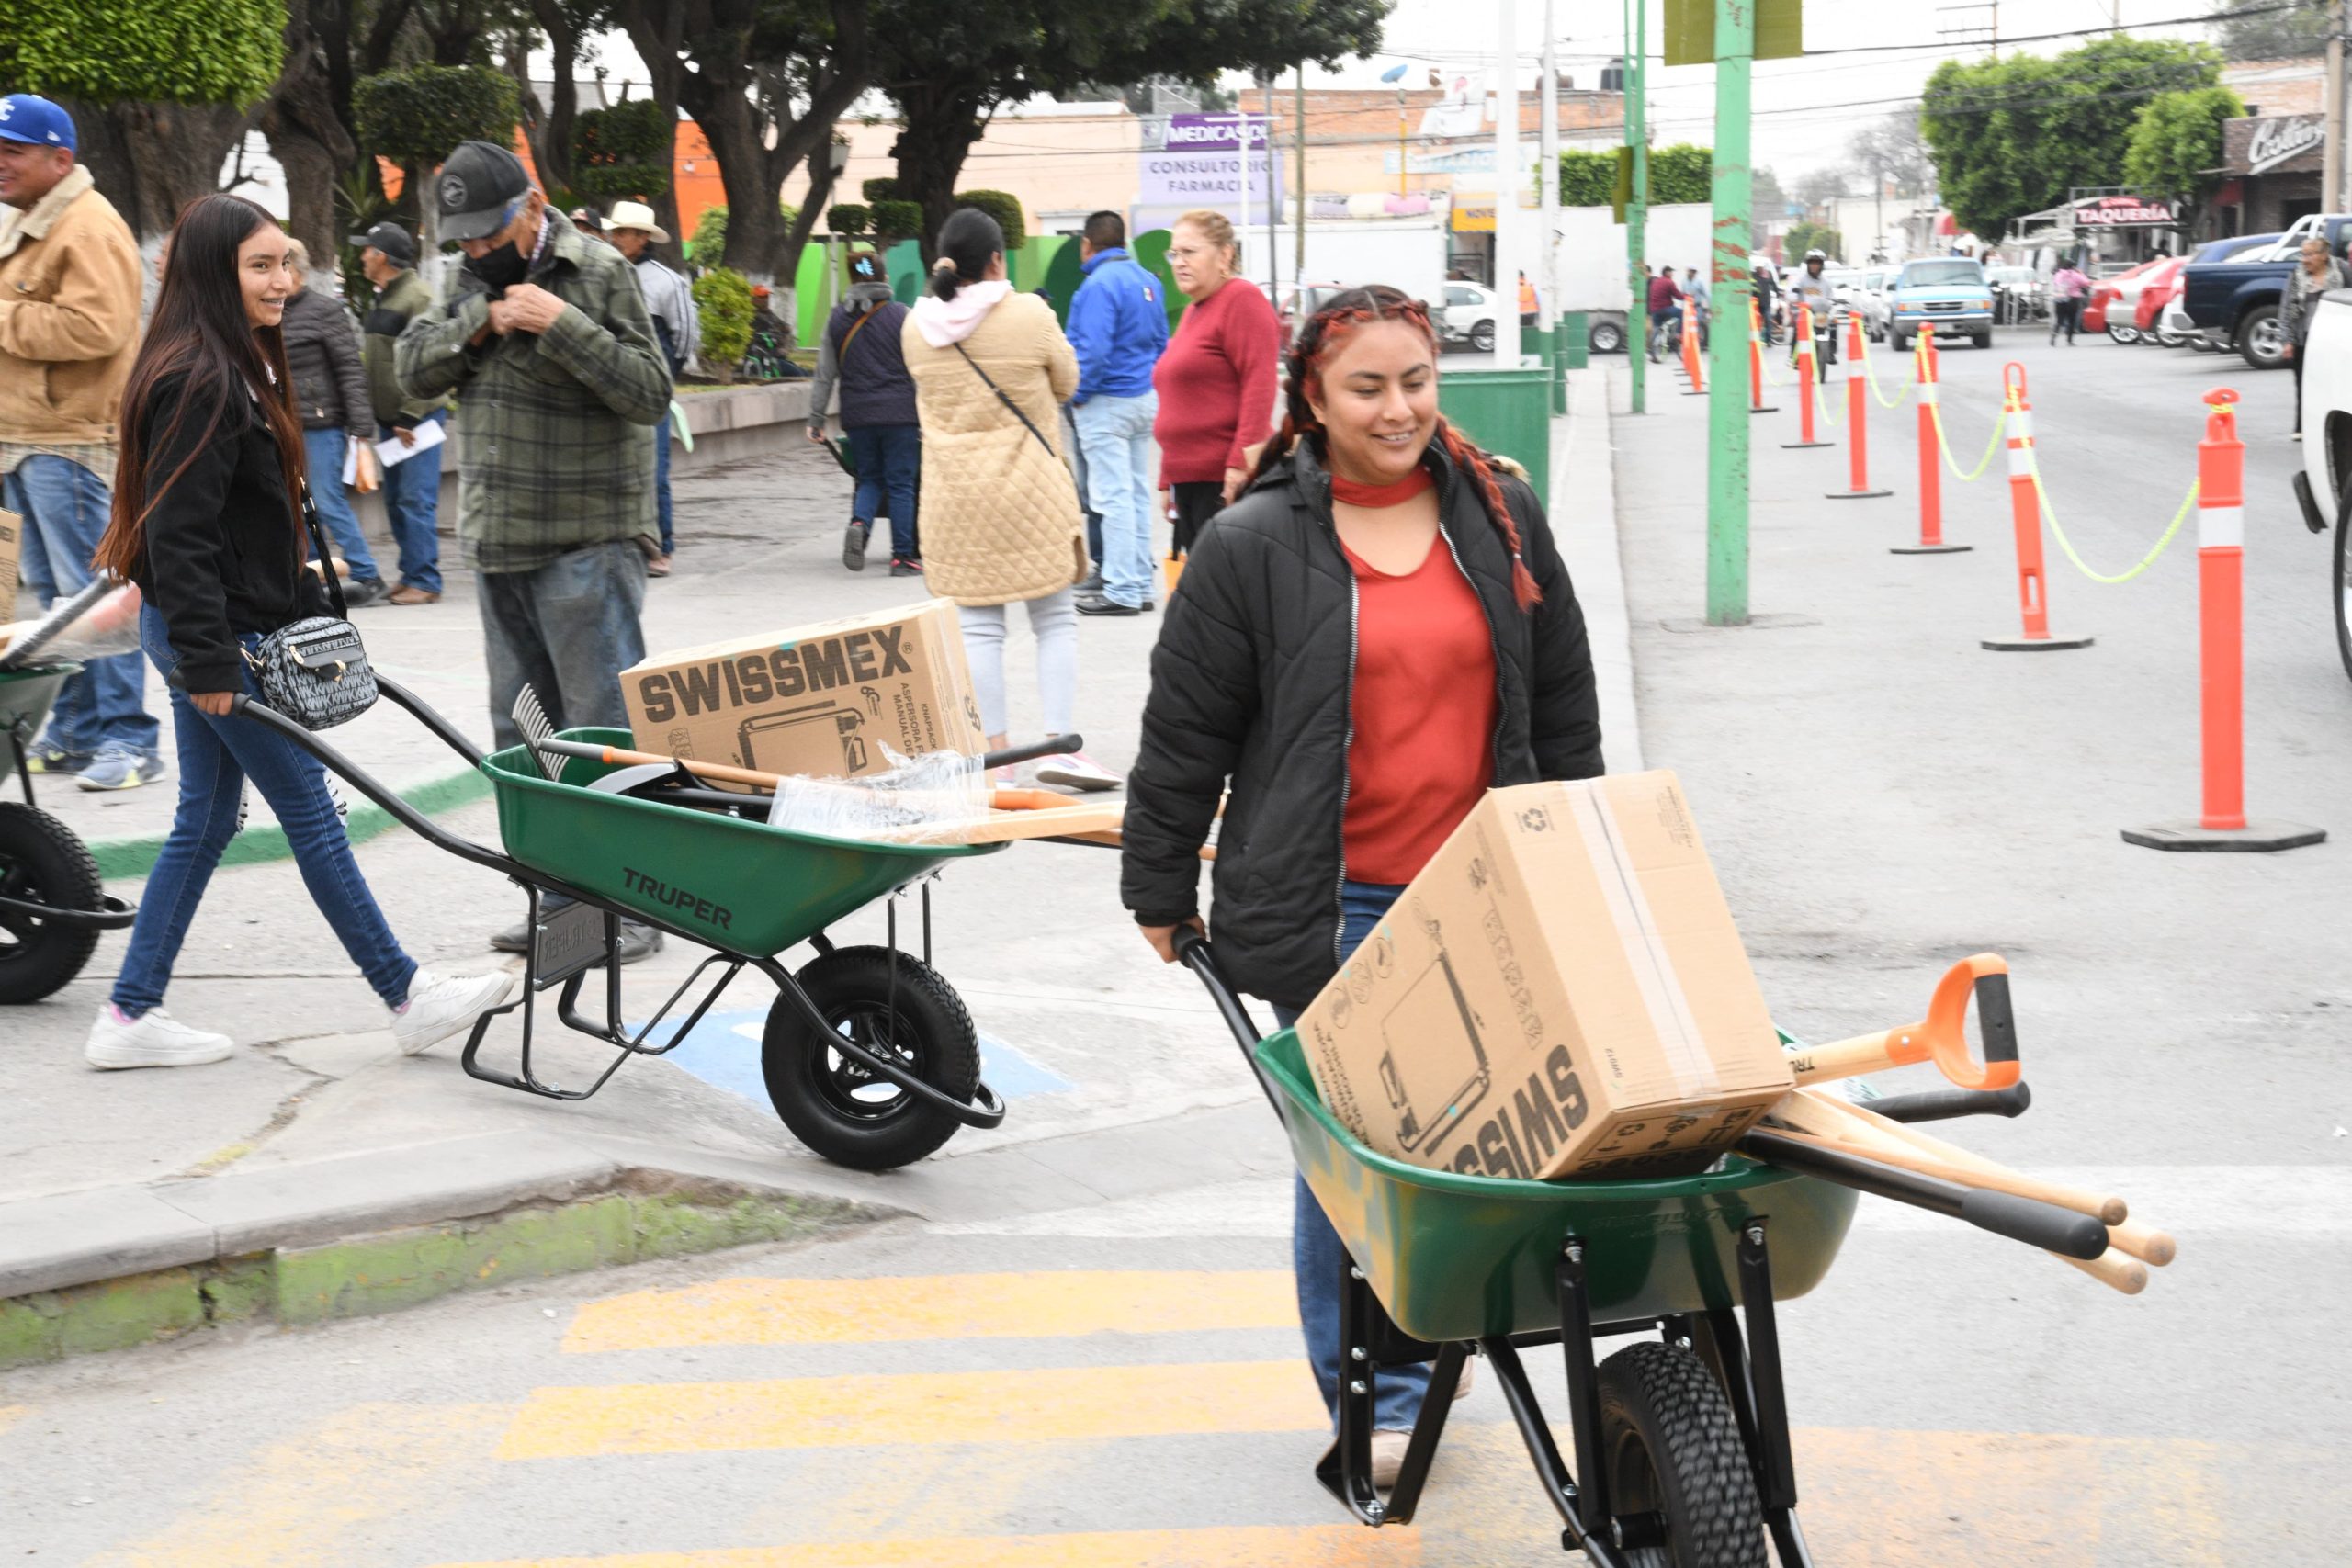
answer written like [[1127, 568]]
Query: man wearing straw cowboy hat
[[670, 301]]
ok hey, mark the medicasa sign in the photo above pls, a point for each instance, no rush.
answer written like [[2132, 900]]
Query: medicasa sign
[[1199, 163]]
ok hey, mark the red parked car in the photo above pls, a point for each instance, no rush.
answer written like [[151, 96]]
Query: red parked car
[[2156, 292], [2106, 292]]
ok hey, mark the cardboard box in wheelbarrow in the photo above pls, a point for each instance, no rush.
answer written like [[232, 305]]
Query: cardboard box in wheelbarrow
[[1560, 993], [821, 700], [12, 537]]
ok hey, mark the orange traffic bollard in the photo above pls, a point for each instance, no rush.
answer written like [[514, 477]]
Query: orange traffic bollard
[[1931, 477], [2221, 601], [2025, 512], [1756, 403], [1858, 429], [1808, 379], [1692, 361]]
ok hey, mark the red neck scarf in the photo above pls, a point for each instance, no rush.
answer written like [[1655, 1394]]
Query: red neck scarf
[[1353, 494]]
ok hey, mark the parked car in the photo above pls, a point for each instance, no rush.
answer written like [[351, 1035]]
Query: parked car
[[2019, 294], [2156, 290], [2098, 304], [1867, 298], [1468, 316], [1942, 296], [2323, 486], [2235, 303]]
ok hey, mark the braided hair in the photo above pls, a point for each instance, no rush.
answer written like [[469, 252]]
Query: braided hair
[[1302, 367]]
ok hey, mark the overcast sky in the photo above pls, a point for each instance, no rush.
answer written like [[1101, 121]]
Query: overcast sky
[[1805, 109]]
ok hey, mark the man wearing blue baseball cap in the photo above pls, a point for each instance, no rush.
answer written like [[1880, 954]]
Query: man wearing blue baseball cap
[[70, 281]]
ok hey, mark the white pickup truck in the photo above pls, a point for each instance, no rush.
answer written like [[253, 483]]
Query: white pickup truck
[[2325, 487]]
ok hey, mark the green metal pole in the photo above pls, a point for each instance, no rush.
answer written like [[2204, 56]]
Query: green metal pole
[[1637, 319], [1727, 349]]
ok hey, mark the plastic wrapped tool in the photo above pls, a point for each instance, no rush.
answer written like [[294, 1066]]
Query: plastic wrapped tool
[[99, 622], [936, 789]]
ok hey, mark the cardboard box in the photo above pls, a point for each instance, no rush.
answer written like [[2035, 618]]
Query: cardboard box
[[821, 700], [12, 544], [1560, 993]]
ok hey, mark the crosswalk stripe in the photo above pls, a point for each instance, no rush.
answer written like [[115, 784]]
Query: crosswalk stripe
[[944, 1306], [1316, 1546], [1053, 1405]]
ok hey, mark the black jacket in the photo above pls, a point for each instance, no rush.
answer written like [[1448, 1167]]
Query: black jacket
[[224, 550], [330, 381], [1251, 683]]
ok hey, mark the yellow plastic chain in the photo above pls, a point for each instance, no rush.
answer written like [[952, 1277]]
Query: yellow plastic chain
[[1821, 403], [1871, 377], [1991, 445], [2051, 516]]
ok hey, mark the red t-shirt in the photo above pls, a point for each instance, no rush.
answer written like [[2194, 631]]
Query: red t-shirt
[[1663, 293], [1216, 383], [1424, 714]]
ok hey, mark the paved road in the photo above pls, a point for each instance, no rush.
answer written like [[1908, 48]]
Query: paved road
[[1107, 1377]]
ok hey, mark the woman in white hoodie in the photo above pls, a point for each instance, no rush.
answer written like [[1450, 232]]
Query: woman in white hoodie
[[1000, 519]]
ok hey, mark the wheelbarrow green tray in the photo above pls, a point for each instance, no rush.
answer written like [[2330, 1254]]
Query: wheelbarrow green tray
[[746, 886], [1465, 1256], [25, 697]]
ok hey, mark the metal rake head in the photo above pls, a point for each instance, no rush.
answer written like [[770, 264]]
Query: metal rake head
[[532, 720]]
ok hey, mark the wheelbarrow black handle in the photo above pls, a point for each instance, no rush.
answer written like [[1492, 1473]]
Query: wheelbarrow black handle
[[1194, 952], [1943, 1104], [2028, 1220], [1030, 751]]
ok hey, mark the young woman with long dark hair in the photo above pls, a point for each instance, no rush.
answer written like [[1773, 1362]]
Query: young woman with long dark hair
[[1379, 632], [207, 521]]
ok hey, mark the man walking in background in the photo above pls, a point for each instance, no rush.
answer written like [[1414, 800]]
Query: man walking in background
[[544, 337], [1118, 326], [70, 281], [670, 301], [412, 485]]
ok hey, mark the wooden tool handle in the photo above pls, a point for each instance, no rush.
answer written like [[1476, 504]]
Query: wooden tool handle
[[1004, 797], [722, 772], [1850, 1058], [2144, 1242], [2105, 1209], [2113, 1270]]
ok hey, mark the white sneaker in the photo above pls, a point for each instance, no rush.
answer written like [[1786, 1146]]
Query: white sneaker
[[153, 1039], [1076, 770], [440, 1005]]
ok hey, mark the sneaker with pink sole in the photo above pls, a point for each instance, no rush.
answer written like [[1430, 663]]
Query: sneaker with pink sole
[[1076, 770]]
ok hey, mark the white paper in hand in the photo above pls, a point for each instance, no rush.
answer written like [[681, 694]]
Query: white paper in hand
[[350, 464], [392, 454]]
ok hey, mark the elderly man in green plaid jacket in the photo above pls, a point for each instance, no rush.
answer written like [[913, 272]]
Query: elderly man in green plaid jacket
[[560, 385]]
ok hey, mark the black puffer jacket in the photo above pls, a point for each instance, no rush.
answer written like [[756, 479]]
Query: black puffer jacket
[[1251, 683], [330, 380]]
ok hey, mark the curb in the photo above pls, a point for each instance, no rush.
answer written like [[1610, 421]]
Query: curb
[[1583, 507], [313, 1243], [136, 856]]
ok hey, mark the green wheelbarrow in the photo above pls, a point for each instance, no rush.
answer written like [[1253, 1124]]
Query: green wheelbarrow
[[1679, 1441], [869, 1056], [53, 906]]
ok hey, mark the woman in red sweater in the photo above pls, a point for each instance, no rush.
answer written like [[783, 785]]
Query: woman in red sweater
[[1217, 380]]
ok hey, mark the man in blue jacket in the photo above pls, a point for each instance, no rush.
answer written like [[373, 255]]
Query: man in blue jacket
[[1118, 325]]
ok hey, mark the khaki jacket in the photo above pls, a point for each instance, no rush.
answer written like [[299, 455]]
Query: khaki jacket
[[69, 316], [1001, 518]]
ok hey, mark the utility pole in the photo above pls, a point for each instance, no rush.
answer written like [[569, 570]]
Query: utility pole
[[1273, 207], [2331, 179], [1637, 216], [1298, 195], [1727, 349], [1507, 254], [1547, 202]]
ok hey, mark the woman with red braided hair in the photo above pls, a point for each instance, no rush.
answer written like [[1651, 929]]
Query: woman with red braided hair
[[1377, 632]]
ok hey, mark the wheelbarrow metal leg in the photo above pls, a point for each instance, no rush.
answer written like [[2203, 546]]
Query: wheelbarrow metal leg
[[1511, 1376], [1346, 1470], [1753, 1382], [1445, 1376], [1584, 1388]]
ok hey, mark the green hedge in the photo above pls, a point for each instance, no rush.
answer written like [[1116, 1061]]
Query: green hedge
[[622, 153], [1005, 208], [417, 116], [723, 300]]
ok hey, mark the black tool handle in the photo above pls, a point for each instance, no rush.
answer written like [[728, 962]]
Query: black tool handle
[[1943, 1104], [1029, 751], [1997, 1025], [2028, 1220]]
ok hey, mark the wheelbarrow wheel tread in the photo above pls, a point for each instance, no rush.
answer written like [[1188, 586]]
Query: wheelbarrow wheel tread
[[929, 1028], [1677, 1465], [41, 860]]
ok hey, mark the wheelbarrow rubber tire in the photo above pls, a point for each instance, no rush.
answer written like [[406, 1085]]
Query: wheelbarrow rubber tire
[[1675, 1462], [929, 1028], [41, 861]]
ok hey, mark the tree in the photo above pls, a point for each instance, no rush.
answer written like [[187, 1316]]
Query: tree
[[1815, 187], [1891, 151], [1586, 179], [1005, 208], [159, 91], [623, 152], [2176, 144], [569, 25], [1806, 235], [723, 301], [2295, 33], [849, 217], [2011, 136], [415, 116], [949, 65], [307, 133], [1768, 207], [1678, 175]]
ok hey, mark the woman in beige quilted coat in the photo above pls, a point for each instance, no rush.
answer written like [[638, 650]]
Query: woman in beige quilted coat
[[1000, 519]]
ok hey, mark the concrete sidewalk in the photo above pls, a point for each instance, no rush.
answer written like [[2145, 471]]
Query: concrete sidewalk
[[320, 1173]]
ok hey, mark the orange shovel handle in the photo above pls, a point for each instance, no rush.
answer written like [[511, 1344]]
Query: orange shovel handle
[[1941, 1037]]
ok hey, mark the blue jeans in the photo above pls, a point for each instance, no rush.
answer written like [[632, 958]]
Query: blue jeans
[[888, 458], [325, 449], [1317, 1255], [215, 757], [1115, 435], [65, 506], [413, 504], [662, 439], [567, 629]]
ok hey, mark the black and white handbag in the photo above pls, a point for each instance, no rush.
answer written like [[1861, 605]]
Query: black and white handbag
[[315, 672]]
